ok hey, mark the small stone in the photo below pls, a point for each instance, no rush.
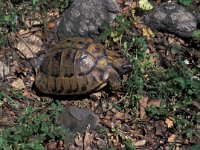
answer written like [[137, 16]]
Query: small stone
[[78, 119]]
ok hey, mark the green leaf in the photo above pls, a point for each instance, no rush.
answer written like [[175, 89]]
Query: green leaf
[[2, 142], [129, 145], [119, 19], [34, 2], [180, 81], [185, 2], [34, 146], [17, 138], [7, 18], [195, 147]]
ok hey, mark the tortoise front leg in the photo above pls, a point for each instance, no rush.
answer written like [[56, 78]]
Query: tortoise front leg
[[114, 80]]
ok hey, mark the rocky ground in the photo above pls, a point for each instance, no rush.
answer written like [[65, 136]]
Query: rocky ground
[[121, 120]]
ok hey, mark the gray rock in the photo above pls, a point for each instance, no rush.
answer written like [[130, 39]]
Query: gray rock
[[78, 119], [75, 120], [173, 18], [84, 17]]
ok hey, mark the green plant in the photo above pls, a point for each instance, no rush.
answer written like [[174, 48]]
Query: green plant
[[176, 86], [185, 2], [33, 129], [129, 145], [135, 84], [115, 33], [194, 147], [13, 11], [60, 4], [145, 5], [196, 35], [183, 81]]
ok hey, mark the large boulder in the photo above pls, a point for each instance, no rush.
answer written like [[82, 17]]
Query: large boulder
[[84, 17], [172, 18]]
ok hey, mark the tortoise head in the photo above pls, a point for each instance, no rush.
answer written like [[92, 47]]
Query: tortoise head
[[122, 65]]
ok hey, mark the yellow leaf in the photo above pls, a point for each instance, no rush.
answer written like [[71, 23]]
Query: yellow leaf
[[18, 84], [145, 5], [116, 37], [147, 33], [170, 122], [172, 138]]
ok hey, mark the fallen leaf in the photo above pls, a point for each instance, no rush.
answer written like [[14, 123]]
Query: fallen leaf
[[160, 128], [169, 122], [101, 143], [79, 140], [4, 69], [143, 105], [30, 45], [114, 110], [51, 145], [119, 115], [51, 25], [87, 140], [139, 143], [171, 138], [107, 123], [33, 21], [18, 84], [147, 33], [154, 102]]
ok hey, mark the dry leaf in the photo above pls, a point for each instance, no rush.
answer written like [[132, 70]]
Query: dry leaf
[[33, 21], [143, 105], [147, 33], [29, 46], [79, 140], [170, 122], [139, 143], [87, 140], [18, 84], [4, 69], [107, 123], [119, 115], [114, 110], [160, 128], [154, 102], [172, 138], [52, 145], [51, 25]]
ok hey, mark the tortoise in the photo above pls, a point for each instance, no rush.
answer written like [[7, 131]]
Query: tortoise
[[77, 66]]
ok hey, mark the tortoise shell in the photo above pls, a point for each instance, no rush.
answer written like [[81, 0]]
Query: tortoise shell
[[77, 66]]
